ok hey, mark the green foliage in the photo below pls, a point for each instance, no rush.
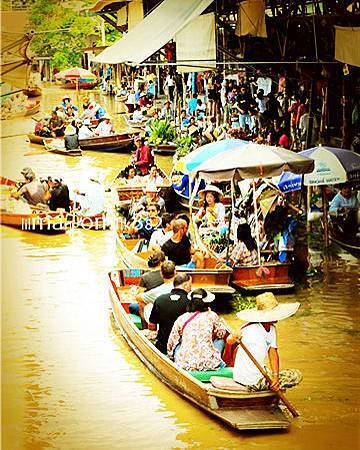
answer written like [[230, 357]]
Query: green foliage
[[241, 302], [63, 32], [161, 132], [184, 145]]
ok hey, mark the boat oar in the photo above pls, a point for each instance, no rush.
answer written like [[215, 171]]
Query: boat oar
[[269, 380]]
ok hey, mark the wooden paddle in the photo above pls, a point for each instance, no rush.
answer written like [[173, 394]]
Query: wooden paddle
[[280, 394]]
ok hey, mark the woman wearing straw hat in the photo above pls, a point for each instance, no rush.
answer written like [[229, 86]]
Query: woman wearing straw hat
[[259, 337], [212, 213]]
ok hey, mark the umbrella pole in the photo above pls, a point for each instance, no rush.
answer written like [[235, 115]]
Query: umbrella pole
[[256, 223], [232, 193], [325, 217]]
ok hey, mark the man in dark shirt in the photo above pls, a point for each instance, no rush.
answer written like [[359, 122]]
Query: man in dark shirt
[[168, 307], [178, 247], [59, 195]]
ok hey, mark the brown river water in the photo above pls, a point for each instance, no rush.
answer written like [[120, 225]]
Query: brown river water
[[69, 380]]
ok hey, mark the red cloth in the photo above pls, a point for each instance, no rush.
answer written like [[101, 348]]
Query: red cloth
[[144, 159], [284, 141]]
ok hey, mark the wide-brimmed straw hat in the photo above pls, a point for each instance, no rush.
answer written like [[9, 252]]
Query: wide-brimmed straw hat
[[210, 297], [268, 309], [210, 188]]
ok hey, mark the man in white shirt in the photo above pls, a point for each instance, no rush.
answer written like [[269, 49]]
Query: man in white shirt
[[105, 127], [84, 130], [259, 336]]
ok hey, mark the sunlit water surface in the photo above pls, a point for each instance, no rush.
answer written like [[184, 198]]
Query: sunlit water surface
[[69, 381]]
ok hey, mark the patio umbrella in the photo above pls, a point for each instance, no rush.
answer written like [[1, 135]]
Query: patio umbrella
[[76, 73], [332, 166]]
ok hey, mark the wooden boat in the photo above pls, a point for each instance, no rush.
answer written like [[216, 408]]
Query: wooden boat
[[349, 243], [237, 409], [166, 149], [80, 85], [33, 91], [120, 98], [269, 276], [112, 143], [30, 109], [135, 124], [54, 147], [125, 194], [211, 278], [35, 139]]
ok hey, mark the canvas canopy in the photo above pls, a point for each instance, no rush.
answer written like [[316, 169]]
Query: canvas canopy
[[347, 43], [152, 33]]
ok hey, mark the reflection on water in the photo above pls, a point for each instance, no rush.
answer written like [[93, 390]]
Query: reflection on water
[[71, 382]]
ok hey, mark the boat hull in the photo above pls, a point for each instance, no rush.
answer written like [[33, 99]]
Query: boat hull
[[239, 410], [113, 143], [265, 277]]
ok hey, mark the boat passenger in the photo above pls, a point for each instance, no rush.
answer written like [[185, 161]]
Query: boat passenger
[[71, 138], [66, 102], [33, 190], [345, 205], [167, 111], [145, 226], [212, 213], [153, 278], [151, 196], [59, 195], [56, 125], [197, 338], [128, 176], [84, 130], [153, 178], [168, 307], [137, 114], [168, 273], [161, 235], [91, 196], [259, 336], [143, 157], [244, 252], [105, 127]]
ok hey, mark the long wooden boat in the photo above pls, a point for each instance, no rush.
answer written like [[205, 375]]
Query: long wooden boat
[[33, 91], [52, 147], [125, 194], [135, 124], [215, 279], [112, 143], [80, 85], [166, 149], [269, 276], [30, 109], [240, 410], [349, 243], [35, 139]]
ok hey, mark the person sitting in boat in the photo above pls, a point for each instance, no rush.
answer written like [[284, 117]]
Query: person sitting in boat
[[91, 196], [84, 130], [212, 213], [145, 226], [244, 252], [71, 138], [66, 102], [137, 114], [42, 128], [59, 195], [129, 177], [70, 113], [168, 307], [345, 205], [144, 101], [197, 338], [151, 196], [153, 178], [33, 190], [143, 157], [182, 121], [259, 336], [60, 111], [105, 127], [178, 247], [56, 125], [153, 278], [161, 235], [167, 269]]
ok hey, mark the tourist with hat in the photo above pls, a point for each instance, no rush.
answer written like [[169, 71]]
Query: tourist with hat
[[259, 337], [105, 127], [66, 102], [197, 338], [212, 212], [33, 190]]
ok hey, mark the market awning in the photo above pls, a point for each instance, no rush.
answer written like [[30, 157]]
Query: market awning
[[157, 29]]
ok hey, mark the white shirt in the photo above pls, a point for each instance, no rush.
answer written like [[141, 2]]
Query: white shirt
[[85, 132], [258, 341], [153, 294], [137, 116], [159, 237], [104, 128]]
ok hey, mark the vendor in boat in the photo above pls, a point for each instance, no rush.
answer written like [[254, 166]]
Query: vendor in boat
[[56, 125], [59, 195], [168, 307], [137, 114], [212, 213], [259, 336], [84, 130], [167, 111], [244, 252], [42, 127], [33, 190], [66, 102], [346, 205], [161, 235], [71, 138], [143, 157], [105, 127], [197, 338], [153, 178]]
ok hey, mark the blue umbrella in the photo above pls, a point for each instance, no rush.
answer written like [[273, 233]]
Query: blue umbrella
[[289, 182]]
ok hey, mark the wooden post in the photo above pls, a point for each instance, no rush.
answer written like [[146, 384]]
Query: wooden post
[[308, 203], [325, 216]]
